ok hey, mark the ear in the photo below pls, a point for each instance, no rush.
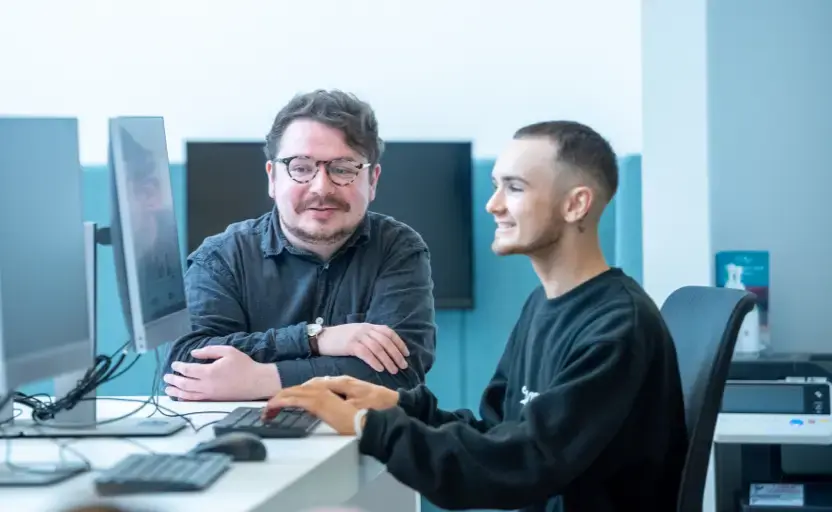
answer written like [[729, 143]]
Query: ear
[[375, 173], [270, 174], [577, 204]]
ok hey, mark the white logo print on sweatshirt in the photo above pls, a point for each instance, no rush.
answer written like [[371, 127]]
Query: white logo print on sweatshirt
[[528, 396]]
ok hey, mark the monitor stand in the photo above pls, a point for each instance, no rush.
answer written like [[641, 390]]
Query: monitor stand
[[81, 420]]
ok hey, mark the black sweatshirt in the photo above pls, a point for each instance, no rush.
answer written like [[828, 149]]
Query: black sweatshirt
[[583, 414]]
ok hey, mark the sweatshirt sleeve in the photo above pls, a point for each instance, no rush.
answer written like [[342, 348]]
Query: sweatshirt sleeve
[[422, 404], [516, 463]]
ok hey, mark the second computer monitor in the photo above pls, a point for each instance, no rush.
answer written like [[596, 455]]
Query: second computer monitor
[[144, 233]]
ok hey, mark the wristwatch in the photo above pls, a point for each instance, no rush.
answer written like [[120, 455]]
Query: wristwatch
[[312, 332]]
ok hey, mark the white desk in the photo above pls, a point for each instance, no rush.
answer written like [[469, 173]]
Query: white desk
[[324, 469]]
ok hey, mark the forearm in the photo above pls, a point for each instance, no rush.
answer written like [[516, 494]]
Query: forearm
[[264, 347], [423, 405], [298, 371], [456, 467]]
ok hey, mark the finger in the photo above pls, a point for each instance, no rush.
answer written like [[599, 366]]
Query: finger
[[314, 381], [183, 383], [380, 351], [358, 403], [191, 370], [293, 391], [183, 395], [293, 397], [344, 385], [394, 336], [367, 355], [387, 344], [213, 351], [317, 382]]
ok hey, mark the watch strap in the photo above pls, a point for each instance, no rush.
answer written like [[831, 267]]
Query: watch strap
[[313, 345]]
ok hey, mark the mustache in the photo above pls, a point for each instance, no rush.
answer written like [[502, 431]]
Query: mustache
[[317, 201]]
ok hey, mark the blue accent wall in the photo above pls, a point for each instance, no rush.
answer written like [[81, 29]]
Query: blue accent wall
[[469, 343]]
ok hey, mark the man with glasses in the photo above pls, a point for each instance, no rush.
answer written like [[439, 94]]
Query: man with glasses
[[319, 285]]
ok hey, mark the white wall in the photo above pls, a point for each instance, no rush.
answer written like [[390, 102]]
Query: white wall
[[675, 203], [474, 69], [771, 117]]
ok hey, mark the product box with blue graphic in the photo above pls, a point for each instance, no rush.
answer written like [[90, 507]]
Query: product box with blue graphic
[[748, 270]]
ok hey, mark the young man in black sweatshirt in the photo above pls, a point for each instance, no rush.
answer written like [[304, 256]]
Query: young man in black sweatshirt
[[585, 411]]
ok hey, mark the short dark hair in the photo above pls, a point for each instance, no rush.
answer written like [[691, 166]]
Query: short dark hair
[[580, 148], [337, 109]]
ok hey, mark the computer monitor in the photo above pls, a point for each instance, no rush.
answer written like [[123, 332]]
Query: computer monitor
[[230, 173], [44, 312], [44, 318], [144, 234], [149, 273]]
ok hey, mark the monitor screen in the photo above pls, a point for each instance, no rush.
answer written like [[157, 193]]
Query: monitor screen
[[44, 314], [226, 183], [428, 186], [144, 222]]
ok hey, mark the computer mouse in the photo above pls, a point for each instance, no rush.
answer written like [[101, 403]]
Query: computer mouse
[[241, 446]]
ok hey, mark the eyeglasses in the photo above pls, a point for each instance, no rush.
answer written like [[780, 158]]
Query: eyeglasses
[[341, 172]]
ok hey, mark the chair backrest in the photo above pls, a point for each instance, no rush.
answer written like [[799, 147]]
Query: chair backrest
[[704, 322]]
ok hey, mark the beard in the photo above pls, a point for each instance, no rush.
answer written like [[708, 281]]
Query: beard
[[322, 237], [319, 238]]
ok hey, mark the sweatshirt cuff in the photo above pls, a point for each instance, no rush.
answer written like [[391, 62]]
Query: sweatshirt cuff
[[374, 438]]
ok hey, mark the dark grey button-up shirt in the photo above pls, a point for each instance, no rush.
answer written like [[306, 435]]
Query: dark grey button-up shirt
[[248, 287]]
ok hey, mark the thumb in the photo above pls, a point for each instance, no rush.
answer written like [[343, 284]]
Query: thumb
[[212, 352]]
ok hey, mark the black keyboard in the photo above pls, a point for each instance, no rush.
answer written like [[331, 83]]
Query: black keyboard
[[161, 472], [287, 423]]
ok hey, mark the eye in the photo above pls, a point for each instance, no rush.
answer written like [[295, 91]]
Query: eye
[[515, 188]]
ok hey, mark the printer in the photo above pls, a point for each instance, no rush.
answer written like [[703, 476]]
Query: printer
[[782, 366], [774, 449]]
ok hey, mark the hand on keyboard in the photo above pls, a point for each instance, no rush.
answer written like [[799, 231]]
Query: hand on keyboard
[[288, 423], [317, 400], [359, 393]]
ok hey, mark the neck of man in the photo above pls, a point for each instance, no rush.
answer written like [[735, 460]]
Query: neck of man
[[575, 259], [323, 250]]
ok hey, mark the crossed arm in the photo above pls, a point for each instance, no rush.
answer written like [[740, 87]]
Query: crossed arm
[[402, 302]]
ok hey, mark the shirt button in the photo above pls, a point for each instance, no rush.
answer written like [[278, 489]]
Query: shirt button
[[319, 321]]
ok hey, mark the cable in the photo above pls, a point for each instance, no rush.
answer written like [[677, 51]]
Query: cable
[[17, 412], [103, 370], [6, 399]]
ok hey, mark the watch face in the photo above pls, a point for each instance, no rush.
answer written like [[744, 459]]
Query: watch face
[[313, 329]]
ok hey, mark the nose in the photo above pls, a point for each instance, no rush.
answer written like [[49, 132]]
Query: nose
[[321, 182], [495, 203]]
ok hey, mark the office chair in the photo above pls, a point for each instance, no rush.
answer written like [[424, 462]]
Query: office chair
[[704, 322]]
